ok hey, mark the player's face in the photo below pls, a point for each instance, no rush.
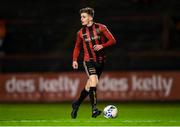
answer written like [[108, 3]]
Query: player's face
[[85, 19]]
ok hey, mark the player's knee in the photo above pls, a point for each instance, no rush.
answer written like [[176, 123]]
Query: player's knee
[[87, 87]]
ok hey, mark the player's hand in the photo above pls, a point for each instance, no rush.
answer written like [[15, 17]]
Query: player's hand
[[97, 47], [75, 65]]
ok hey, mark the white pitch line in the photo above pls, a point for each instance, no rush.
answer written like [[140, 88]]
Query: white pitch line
[[93, 126], [87, 121]]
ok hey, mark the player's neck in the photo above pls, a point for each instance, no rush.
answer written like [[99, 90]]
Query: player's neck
[[90, 24]]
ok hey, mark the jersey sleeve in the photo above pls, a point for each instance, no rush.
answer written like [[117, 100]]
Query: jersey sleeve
[[108, 35], [77, 47]]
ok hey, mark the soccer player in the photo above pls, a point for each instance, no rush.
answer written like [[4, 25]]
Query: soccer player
[[95, 38]]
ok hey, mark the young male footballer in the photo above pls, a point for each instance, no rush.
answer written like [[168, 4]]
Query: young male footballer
[[94, 38]]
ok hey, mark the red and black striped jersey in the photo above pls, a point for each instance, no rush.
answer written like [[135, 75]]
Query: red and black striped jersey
[[90, 36]]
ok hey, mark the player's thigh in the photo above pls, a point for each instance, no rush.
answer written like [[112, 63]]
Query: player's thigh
[[93, 80], [99, 68], [89, 67]]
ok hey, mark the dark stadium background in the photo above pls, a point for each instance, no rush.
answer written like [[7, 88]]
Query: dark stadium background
[[40, 34]]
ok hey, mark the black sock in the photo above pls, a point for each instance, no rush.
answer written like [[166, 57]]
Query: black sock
[[93, 97], [83, 95]]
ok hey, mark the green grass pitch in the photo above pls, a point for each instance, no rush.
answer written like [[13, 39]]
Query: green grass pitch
[[58, 114]]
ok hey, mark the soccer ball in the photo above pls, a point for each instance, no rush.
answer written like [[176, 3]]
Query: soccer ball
[[110, 111]]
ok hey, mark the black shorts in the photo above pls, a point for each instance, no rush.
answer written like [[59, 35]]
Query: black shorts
[[93, 68]]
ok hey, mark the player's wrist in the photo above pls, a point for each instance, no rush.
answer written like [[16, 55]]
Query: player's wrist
[[74, 60], [103, 45]]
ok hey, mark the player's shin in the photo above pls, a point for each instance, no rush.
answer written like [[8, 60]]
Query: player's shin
[[93, 97], [83, 95]]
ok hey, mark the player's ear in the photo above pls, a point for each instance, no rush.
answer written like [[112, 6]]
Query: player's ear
[[90, 18]]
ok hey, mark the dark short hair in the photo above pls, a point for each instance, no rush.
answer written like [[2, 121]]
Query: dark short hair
[[87, 10]]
